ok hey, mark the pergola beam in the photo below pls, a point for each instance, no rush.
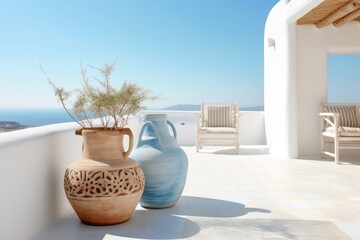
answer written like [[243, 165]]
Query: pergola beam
[[348, 18], [340, 13]]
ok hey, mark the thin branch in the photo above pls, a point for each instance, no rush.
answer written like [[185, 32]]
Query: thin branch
[[104, 101], [59, 93]]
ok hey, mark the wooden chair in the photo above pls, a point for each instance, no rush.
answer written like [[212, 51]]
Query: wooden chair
[[340, 126], [218, 121]]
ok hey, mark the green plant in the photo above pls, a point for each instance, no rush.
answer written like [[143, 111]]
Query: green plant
[[112, 106]]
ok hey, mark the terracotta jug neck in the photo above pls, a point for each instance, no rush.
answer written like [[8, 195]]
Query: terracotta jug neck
[[100, 144]]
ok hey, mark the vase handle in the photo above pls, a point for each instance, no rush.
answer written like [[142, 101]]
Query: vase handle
[[128, 132], [153, 127], [173, 128]]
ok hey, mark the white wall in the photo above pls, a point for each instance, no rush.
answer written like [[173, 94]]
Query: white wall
[[251, 123], [33, 163], [295, 76], [31, 179], [279, 83], [313, 47]]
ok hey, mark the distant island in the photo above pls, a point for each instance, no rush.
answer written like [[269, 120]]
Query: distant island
[[192, 107], [11, 126]]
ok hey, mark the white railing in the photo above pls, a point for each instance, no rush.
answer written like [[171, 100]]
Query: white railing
[[33, 162]]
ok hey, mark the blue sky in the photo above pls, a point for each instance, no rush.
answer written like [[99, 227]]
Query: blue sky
[[343, 78], [187, 51]]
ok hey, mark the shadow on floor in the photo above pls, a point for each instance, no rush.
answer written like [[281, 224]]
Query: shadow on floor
[[243, 151], [208, 207], [350, 161], [170, 223], [345, 160], [267, 229], [143, 225]]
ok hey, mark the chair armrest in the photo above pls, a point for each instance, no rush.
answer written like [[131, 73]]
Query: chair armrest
[[237, 122], [328, 114], [198, 119], [333, 119]]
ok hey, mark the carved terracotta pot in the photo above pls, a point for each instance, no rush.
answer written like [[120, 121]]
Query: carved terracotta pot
[[104, 186]]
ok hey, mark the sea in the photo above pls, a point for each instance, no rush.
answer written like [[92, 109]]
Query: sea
[[34, 116], [45, 116]]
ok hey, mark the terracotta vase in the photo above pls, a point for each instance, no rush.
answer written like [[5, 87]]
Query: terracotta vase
[[104, 186]]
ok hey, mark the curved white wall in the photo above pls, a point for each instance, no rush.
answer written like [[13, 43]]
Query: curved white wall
[[33, 162], [279, 83], [32, 172]]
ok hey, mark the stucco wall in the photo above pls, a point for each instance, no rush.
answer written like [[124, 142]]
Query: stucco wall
[[32, 170], [313, 47], [279, 83], [33, 162], [295, 76]]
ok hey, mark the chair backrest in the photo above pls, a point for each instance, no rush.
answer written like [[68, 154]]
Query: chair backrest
[[219, 115], [349, 113]]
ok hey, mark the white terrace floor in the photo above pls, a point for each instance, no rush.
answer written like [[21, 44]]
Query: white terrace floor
[[247, 196]]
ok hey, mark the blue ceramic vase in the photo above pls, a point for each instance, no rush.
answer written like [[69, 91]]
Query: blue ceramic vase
[[164, 163]]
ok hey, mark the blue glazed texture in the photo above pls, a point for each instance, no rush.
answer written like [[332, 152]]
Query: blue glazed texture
[[164, 163]]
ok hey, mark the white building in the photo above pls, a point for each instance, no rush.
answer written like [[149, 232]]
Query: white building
[[299, 36]]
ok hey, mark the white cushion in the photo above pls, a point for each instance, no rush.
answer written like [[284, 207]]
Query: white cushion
[[218, 130], [345, 131]]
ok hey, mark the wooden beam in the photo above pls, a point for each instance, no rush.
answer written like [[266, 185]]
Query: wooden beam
[[348, 18], [340, 13], [321, 11]]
